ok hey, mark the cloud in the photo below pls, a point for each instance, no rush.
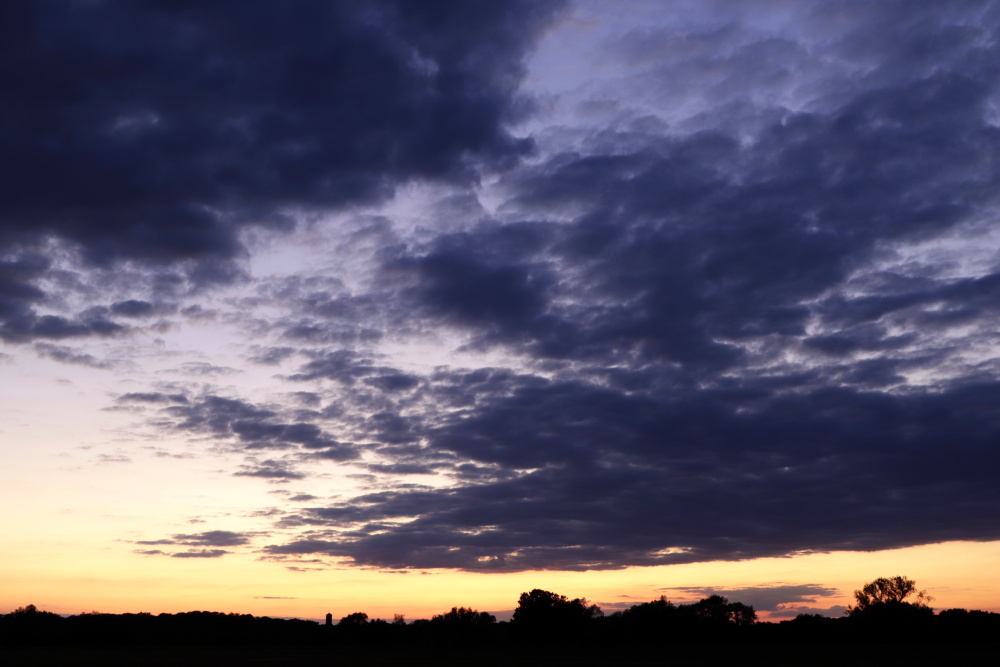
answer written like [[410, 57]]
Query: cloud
[[113, 458], [206, 369], [251, 427], [210, 538], [748, 327], [271, 355], [200, 553], [484, 280], [763, 473], [834, 611], [270, 469], [68, 355], [151, 397], [20, 298], [227, 119], [133, 308], [242, 115], [345, 366], [213, 538], [772, 598]]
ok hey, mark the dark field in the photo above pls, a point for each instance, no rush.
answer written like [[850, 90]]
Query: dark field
[[811, 655]]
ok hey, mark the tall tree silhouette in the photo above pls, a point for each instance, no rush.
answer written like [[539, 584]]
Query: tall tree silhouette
[[889, 592], [546, 616]]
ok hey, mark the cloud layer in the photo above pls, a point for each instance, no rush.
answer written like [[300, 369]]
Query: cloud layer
[[156, 133], [737, 300]]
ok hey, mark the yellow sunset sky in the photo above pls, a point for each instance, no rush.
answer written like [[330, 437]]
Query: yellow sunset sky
[[327, 307]]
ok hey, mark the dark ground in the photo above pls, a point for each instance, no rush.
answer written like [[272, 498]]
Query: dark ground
[[349, 656]]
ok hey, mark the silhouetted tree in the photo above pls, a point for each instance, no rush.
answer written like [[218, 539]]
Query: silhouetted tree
[[890, 609], [355, 628], [742, 614], [717, 609], [30, 625], [659, 609], [713, 609], [462, 626], [647, 622], [546, 616], [891, 592], [354, 620], [963, 625], [462, 617]]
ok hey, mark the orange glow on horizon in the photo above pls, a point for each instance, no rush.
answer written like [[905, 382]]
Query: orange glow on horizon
[[956, 574]]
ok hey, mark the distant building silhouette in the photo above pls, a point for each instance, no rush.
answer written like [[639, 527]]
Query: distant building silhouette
[[329, 619]]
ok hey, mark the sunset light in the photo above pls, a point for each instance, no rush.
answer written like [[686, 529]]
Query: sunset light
[[391, 307]]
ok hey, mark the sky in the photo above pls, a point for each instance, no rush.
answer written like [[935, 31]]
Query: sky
[[314, 307]]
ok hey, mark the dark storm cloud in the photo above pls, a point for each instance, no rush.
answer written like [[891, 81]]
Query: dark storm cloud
[[765, 598], [216, 413], [393, 382], [32, 327], [247, 428], [155, 132], [209, 538], [20, 297], [402, 468], [17, 295], [486, 279], [250, 427], [728, 342], [656, 479], [271, 355], [323, 312], [213, 538], [152, 397], [931, 304], [308, 398], [344, 366], [725, 364], [693, 242], [669, 262], [302, 547], [201, 553], [834, 611], [133, 308], [68, 355]]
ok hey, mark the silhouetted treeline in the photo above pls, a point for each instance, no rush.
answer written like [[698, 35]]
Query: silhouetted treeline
[[31, 626], [541, 617]]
